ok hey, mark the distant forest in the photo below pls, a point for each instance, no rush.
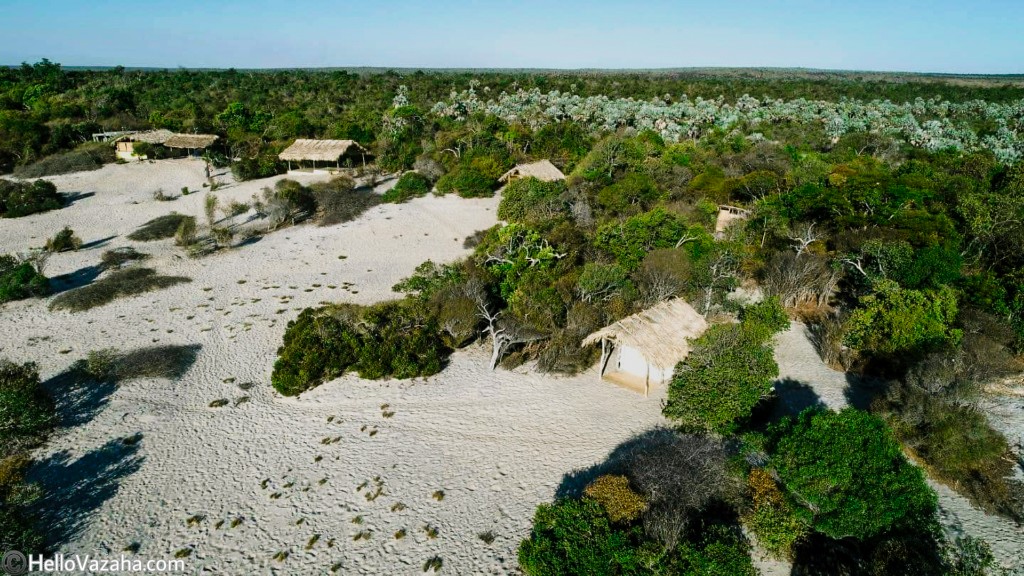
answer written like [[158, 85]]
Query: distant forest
[[46, 109]]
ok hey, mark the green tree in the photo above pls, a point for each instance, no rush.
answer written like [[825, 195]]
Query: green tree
[[895, 320], [848, 474]]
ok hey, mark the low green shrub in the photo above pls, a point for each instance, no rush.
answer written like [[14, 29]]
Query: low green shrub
[[410, 185], [168, 361], [260, 166], [20, 279], [391, 339], [160, 227], [771, 518], [64, 241], [767, 317], [958, 446], [728, 371], [338, 200], [26, 410], [117, 284], [467, 182], [23, 198], [529, 200], [848, 474], [88, 156]]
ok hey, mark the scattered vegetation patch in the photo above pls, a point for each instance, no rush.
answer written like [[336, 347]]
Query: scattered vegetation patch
[[19, 199], [20, 279], [160, 228], [410, 185], [116, 284], [119, 257], [171, 362], [64, 241], [88, 156], [392, 339]]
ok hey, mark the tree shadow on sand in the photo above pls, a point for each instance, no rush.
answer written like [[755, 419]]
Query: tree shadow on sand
[[794, 397], [72, 280], [75, 488], [78, 396]]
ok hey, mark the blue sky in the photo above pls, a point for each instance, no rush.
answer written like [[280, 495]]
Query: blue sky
[[961, 36]]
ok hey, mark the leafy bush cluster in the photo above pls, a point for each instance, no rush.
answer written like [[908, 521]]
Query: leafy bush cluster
[[729, 371], [160, 227], [64, 241], [20, 279], [23, 198], [392, 339], [410, 185]]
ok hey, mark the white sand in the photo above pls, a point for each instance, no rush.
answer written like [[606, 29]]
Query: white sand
[[497, 443]]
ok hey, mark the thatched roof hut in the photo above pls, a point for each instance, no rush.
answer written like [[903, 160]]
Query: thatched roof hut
[[542, 170], [149, 136], [190, 141], [647, 345], [321, 150]]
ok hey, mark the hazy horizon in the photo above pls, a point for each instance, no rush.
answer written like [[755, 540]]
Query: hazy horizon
[[938, 37]]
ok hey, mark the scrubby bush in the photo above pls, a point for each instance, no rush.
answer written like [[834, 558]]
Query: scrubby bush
[[160, 227], [185, 235], [410, 185], [21, 279], [633, 194], [23, 198], [529, 200], [26, 410], [88, 156], [572, 537], [168, 361], [467, 182], [629, 241], [848, 475], [728, 371], [957, 445], [116, 284], [894, 321], [263, 165], [288, 201], [618, 500], [64, 241], [391, 339], [771, 517], [339, 201], [765, 319]]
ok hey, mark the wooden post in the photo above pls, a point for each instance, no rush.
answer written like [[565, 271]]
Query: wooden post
[[647, 380]]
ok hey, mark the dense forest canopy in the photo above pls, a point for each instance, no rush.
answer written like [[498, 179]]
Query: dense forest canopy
[[46, 109]]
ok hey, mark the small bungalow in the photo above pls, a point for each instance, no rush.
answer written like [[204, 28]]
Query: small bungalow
[[190, 142], [542, 170], [125, 145], [727, 215], [643, 349], [332, 154]]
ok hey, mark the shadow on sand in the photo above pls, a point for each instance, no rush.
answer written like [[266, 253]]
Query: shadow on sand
[[75, 488], [81, 277]]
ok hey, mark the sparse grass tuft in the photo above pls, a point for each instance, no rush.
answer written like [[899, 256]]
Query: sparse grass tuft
[[487, 537], [154, 362], [118, 257], [434, 564]]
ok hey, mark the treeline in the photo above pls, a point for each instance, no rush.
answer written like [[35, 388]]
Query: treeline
[[45, 109]]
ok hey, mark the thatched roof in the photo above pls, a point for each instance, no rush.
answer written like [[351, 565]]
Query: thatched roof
[[661, 333], [320, 150], [542, 170], [149, 136], [190, 141]]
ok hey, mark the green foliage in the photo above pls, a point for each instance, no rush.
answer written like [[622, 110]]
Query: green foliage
[[26, 410], [895, 320], [630, 240], [728, 371], [633, 194], [529, 200], [957, 445], [772, 518], [600, 282], [391, 339], [263, 165], [20, 280], [572, 537], [410, 185], [468, 182], [116, 284], [429, 278], [64, 241], [719, 551], [848, 475], [767, 317], [23, 198], [512, 252]]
